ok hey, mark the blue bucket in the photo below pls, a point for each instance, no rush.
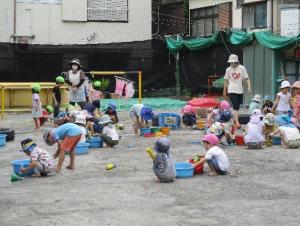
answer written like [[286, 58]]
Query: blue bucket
[[22, 163], [144, 131], [95, 142], [82, 149], [184, 169], [2, 139], [276, 140]]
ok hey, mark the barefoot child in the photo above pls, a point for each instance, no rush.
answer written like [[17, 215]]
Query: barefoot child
[[67, 136], [163, 165], [109, 135], [283, 103], [139, 115], [215, 157], [214, 116], [36, 104], [40, 160]]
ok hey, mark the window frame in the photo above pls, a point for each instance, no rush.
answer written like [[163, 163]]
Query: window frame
[[253, 6], [296, 75]]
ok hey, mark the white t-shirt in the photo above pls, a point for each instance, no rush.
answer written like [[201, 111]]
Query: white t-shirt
[[235, 77], [284, 102], [83, 136], [111, 132], [220, 155], [255, 132], [135, 110]]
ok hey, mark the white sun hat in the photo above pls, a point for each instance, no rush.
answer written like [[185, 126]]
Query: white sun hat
[[233, 58], [257, 98], [285, 84]]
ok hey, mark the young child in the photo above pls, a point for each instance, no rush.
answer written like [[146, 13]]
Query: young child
[[268, 105], [94, 91], [56, 94], [46, 115], [109, 136], [296, 113], [81, 122], [290, 136], [215, 157], [214, 116], [139, 115], [111, 111], [93, 108], [282, 103], [255, 104], [36, 104], [189, 117], [270, 127], [254, 138], [40, 160], [67, 136], [163, 165]]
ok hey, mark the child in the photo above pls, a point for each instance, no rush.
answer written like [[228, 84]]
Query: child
[[254, 138], [255, 104], [67, 136], [296, 113], [214, 116], [81, 122], [40, 160], [109, 136], [111, 111], [283, 103], [139, 115], [46, 114], [270, 127], [215, 157], [268, 105], [56, 94], [163, 165], [36, 104], [94, 91], [189, 117], [93, 108], [289, 133]]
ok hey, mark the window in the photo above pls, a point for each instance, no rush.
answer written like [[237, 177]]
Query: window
[[204, 21], [255, 16], [107, 10], [292, 69]]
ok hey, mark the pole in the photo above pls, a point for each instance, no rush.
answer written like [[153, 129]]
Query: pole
[[177, 72], [140, 86], [3, 102]]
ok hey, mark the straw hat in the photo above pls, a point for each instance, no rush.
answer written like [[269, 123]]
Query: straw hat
[[233, 59]]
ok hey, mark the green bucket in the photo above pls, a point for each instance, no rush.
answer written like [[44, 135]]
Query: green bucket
[[155, 129]]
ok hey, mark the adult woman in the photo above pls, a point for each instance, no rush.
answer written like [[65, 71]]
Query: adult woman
[[235, 76], [75, 78]]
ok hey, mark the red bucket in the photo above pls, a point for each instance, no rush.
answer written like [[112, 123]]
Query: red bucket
[[148, 135], [239, 140], [198, 169]]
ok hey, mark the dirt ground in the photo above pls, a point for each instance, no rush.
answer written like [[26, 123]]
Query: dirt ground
[[263, 187]]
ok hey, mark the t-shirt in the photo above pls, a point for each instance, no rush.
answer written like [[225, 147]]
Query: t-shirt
[[68, 129], [36, 102], [255, 132], [284, 102], [235, 77], [220, 155], [253, 106], [136, 110], [84, 133], [43, 157], [111, 132], [57, 94], [90, 109]]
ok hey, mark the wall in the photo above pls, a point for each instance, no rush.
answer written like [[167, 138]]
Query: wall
[[45, 21]]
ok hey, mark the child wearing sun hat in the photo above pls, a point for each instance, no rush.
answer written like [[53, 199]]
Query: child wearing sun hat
[[283, 104], [255, 104]]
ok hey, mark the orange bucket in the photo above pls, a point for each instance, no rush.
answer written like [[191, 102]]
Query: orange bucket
[[165, 131], [201, 124], [239, 140]]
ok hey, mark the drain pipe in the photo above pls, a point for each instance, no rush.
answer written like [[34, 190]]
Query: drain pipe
[[158, 18], [15, 20]]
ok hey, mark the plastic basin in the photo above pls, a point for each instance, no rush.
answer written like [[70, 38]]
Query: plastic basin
[[2, 139], [95, 142], [144, 131], [82, 149], [184, 169], [21, 163], [276, 140]]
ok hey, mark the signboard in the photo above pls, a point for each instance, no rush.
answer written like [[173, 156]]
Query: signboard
[[290, 21]]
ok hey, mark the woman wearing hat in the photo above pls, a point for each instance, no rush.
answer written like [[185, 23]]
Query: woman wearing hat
[[75, 78], [235, 76]]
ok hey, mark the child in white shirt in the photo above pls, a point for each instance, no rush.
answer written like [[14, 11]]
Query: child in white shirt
[[109, 135], [283, 101]]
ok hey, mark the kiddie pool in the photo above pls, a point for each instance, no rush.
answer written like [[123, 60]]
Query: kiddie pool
[[184, 169], [21, 163]]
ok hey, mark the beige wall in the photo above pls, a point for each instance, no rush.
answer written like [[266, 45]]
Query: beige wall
[[45, 22]]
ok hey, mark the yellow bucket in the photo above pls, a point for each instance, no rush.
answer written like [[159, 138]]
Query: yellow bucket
[[159, 134], [201, 124]]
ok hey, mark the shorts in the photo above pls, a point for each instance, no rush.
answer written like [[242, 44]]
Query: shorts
[[293, 143], [106, 139], [43, 170], [213, 163], [255, 145], [236, 100], [69, 143]]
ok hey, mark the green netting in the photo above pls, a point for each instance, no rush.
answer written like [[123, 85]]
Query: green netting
[[155, 103], [219, 83]]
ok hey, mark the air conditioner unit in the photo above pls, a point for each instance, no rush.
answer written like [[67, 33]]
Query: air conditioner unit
[[290, 21]]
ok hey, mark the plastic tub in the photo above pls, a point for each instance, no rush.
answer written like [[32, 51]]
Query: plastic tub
[[184, 169], [2, 139], [198, 168], [82, 149], [144, 131], [165, 130], [239, 140], [155, 129], [21, 163], [95, 142], [276, 140]]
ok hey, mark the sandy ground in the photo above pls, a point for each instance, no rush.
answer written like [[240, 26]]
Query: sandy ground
[[263, 187]]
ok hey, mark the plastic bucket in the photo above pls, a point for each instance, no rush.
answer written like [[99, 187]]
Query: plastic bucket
[[276, 140], [95, 142], [158, 134], [198, 168], [2, 139], [21, 163], [184, 169], [239, 140], [165, 130], [144, 131], [201, 124], [155, 129], [82, 149]]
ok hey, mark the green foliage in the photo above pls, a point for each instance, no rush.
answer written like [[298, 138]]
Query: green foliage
[[104, 84], [186, 92]]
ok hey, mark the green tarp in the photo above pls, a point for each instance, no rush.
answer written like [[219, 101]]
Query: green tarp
[[265, 38]]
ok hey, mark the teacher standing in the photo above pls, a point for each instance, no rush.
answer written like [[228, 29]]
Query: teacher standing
[[235, 77], [75, 78]]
